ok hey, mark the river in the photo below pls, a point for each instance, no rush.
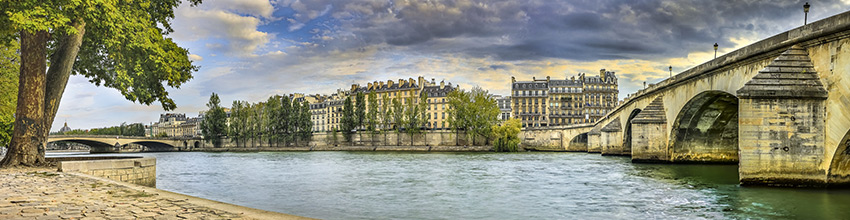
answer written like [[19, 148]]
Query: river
[[390, 185]]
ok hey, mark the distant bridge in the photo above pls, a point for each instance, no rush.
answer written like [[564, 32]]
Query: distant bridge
[[779, 108], [112, 144]]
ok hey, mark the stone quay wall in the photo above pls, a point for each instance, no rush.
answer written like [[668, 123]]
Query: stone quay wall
[[447, 141], [140, 171]]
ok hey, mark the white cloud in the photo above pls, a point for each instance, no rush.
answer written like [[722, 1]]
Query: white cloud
[[239, 34], [195, 57]]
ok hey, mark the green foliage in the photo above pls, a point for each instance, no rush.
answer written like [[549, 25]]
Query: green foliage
[[305, 128], [474, 112], [124, 45], [412, 118], [7, 123], [135, 129], [214, 125], [238, 121], [360, 110], [9, 65], [279, 119], [161, 134], [507, 136], [372, 116], [423, 113], [397, 114], [386, 113], [284, 120], [334, 136], [349, 122]]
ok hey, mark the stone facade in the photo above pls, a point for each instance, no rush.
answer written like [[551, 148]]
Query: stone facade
[[327, 110], [176, 125], [555, 102]]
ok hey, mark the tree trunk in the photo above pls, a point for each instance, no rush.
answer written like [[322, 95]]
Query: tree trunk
[[26, 147], [61, 65]]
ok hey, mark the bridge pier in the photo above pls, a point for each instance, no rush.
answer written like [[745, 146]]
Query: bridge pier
[[594, 141], [649, 134], [612, 139], [782, 124]]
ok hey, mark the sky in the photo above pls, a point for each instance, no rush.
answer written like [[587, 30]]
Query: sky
[[252, 49]]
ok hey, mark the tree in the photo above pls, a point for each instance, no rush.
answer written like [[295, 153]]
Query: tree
[[360, 110], [507, 136], [238, 121], [386, 112], [372, 115], [213, 126], [474, 112], [423, 113], [123, 48], [285, 122], [272, 118], [306, 125], [348, 119], [413, 118], [9, 63], [398, 114]]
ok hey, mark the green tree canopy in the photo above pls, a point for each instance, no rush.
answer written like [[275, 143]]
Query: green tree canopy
[[214, 125], [118, 44]]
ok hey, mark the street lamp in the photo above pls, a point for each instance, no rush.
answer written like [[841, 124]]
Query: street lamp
[[806, 11], [671, 71], [715, 50]]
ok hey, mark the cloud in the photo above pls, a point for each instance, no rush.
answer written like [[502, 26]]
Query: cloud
[[236, 34], [252, 49], [195, 57]]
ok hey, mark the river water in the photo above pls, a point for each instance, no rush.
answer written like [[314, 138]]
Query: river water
[[390, 185]]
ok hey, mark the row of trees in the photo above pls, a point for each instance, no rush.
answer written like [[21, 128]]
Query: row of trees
[[277, 120], [409, 115], [135, 129]]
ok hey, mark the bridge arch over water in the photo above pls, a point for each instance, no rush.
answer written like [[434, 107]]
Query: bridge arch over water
[[112, 144], [779, 107]]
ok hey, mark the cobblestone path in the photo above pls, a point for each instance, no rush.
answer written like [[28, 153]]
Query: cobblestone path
[[27, 193]]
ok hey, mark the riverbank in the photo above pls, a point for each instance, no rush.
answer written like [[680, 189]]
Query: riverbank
[[351, 148], [43, 193]]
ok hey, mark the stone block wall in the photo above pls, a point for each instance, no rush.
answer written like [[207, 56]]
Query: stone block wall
[[140, 171], [782, 142], [649, 142], [612, 143]]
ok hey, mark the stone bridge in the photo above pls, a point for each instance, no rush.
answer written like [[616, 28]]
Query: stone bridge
[[112, 144], [779, 108]]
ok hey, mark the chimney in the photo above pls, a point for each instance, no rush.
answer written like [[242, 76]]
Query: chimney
[[533, 78], [433, 82], [390, 83], [370, 86], [412, 82], [421, 81], [602, 74], [442, 84], [382, 85], [547, 78], [513, 79], [354, 87]]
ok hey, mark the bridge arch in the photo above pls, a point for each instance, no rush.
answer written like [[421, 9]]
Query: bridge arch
[[706, 129], [154, 146], [839, 168], [578, 143], [627, 135]]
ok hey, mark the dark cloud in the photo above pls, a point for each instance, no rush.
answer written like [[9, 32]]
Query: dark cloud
[[538, 29]]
